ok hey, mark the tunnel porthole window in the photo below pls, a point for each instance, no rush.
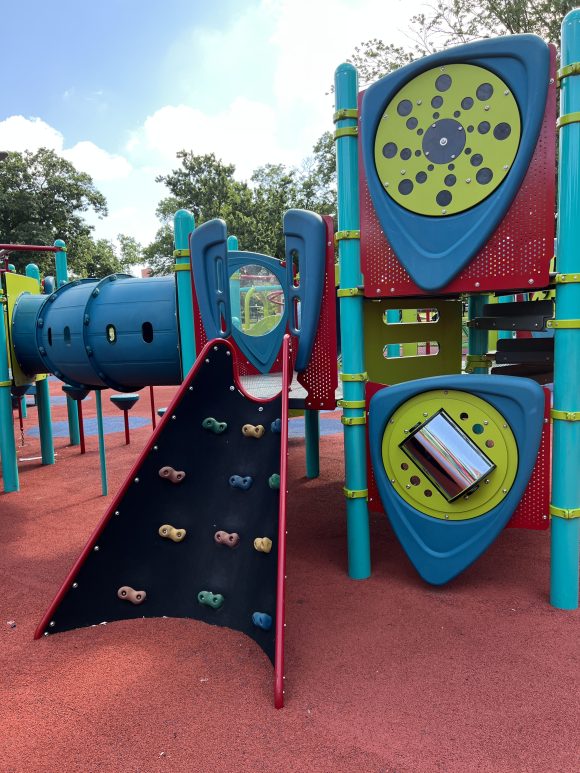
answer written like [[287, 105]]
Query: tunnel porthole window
[[111, 334], [147, 332], [66, 335]]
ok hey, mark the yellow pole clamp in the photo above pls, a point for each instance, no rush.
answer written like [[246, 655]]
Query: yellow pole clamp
[[5, 383], [570, 69], [351, 421], [182, 267], [347, 112], [181, 253], [566, 119], [349, 292], [563, 324], [339, 235], [354, 376], [355, 494], [352, 403], [564, 512], [346, 131], [564, 279], [565, 415]]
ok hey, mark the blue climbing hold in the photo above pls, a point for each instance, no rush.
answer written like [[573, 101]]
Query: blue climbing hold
[[262, 620], [276, 426], [237, 481]]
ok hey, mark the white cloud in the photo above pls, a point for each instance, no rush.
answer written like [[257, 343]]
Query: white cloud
[[101, 165], [18, 133]]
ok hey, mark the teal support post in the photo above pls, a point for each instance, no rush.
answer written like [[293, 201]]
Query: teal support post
[[12, 268], [44, 421], [476, 339], [506, 333], [235, 295], [312, 437], [351, 327], [183, 225], [393, 316], [7, 442], [565, 527], [23, 407], [102, 450], [61, 278], [31, 271]]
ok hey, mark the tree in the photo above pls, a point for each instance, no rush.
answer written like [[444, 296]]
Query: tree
[[42, 198]]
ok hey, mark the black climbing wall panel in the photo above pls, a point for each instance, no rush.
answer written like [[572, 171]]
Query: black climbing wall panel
[[127, 551]]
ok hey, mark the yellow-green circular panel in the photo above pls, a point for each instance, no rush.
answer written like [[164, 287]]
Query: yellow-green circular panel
[[447, 139], [483, 424]]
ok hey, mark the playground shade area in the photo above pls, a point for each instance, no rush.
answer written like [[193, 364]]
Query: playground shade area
[[387, 674]]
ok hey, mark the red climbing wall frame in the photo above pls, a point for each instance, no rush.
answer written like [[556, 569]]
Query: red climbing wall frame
[[518, 254], [198, 528]]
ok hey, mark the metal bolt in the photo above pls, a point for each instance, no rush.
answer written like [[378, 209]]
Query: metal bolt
[[544, 518], [487, 481], [460, 128], [530, 281], [443, 211], [445, 391], [96, 548], [477, 284], [505, 166], [261, 408], [419, 101], [392, 480], [443, 141], [52, 623], [191, 388], [403, 171], [408, 485], [433, 125], [136, 480], [453, 155], [228, 353], [506, 92], [378, 290], [117, 512], [156, 448], [504, 490], [386, 184], [174, 417], [392, 289], [75, 585], [232, 388], [207, 359], [392, 421], [215, 348], [446, 517], [551, 81], [486, 107], [425, 413], [468, 180], [486, 422], [504, 426]]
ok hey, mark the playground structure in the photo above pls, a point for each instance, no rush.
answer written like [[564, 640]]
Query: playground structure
[[446, 191]]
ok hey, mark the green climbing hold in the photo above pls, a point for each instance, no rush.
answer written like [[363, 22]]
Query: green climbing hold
[[215, 426], [274, 481], [209, 599]]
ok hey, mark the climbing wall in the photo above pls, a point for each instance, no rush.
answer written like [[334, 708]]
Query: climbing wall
[[198, 528]]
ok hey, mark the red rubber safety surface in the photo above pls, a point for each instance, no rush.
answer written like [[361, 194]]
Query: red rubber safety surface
[[383, 675]]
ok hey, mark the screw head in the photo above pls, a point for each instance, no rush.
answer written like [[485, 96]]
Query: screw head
[[232, 388], [174, 417], [75, 585], [136, 480], [52, 623], [96, 548]]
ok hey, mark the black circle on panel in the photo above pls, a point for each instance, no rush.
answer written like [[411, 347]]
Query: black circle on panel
[[457, 113], [411, 122], [443, 198], [450, 180], [406, 154], [435, 115], [419, 132], [451, 167], [476, 159], [405, 187], [437, 101], [417, 153], [430, 167], [467, 151], [404, 107], [420, 177], [484, 175], [443, 82], [484, 91], [390, 150], [467, 103], [502, 131], [443, 141], [483, 127], [470, 129]]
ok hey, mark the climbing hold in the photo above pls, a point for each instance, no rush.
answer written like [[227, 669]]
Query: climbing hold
[[276, 426], [130, 594], [209, 599], [225, 538], [170, 532], [213, 425], [274, 481], [237, 481], [263, 544], [262, 620], [175, 476], [251, 430]]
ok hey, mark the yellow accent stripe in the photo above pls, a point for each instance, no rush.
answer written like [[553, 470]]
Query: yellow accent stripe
[[352, 403], [346, 131], [354, 376], [563, 324], [565, 415], [566, 119], [350, 421], [347, 112], [348, 292], [563, 512], [570, 69], [354, 494], [5, 383], [562, 279], [346, 235], [181, 253], [182, 267]]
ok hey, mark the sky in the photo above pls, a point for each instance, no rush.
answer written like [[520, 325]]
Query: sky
[[119, 86]]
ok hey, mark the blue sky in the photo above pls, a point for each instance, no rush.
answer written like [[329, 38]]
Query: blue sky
[[118, 86]]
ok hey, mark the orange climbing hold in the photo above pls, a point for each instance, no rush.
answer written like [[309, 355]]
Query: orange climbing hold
[[227, 538], [263, 544], [170, 532], [175, 476], [253, 430], [130, 594]]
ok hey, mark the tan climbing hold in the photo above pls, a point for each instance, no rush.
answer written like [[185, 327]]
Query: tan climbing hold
[[130, 594], [170, 532], [253, 430], [263, 544], [227, 538], [175, 476]]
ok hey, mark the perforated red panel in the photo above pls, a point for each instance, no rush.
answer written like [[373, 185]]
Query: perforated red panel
[[532, 511], [518, 254], [320, 379]]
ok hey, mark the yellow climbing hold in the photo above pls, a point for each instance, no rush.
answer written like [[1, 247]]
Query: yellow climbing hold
[[263, 544], [167, 531], [251, 430]]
